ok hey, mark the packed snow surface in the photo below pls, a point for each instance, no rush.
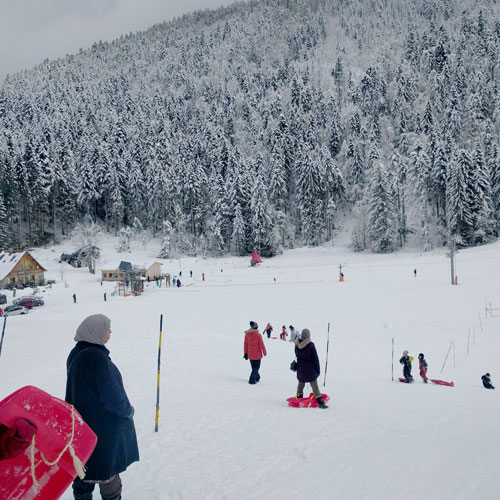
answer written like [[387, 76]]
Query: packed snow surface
[[221, 438]]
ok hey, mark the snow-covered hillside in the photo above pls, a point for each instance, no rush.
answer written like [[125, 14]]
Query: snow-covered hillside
[[221, 438]]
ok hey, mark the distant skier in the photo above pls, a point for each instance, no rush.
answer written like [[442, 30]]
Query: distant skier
[[422, 365], [487, 381], [105, 297], [253, 350], [269, 330], [415, 272], [294, 334], [406, 362], [167, 280], [190, 274], [173, 281], [179, 284], [74, 298], [308, 369], [283, 333], [341, 276], [202, 276]]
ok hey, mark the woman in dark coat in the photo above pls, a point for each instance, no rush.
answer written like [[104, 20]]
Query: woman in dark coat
[[95, 388], [308, 369]]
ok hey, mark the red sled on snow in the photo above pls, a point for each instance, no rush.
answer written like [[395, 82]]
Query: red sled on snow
[[435, 381], [44, 444], [309, 402]]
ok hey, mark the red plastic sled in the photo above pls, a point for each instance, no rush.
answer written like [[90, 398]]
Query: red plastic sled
[[54, 420], [309, 402], [442, 382], [434, 381]]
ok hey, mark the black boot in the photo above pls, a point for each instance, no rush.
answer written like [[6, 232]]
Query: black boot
[[299, 396], [321, 403]]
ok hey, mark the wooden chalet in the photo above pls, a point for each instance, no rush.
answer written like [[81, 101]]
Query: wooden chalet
[[20, 268]]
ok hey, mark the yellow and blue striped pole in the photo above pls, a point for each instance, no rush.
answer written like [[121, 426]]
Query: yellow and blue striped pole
[[327, 344], [158, 380]]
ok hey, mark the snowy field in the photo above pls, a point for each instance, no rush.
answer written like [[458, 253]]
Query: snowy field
[[221, 438]]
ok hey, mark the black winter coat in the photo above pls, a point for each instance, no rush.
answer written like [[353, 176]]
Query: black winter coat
[[308, 368], [95, 388]]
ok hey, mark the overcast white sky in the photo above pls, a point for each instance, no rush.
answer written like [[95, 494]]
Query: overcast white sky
[[32, 30]]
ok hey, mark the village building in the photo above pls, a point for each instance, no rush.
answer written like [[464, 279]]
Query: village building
[[20, 268], [130, 278], [153, 272]]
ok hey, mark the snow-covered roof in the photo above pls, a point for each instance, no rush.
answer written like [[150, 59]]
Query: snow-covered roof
[[8, 261]]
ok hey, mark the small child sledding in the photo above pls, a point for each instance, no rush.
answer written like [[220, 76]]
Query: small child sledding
[[487, 381], [422, 365], [406, 362], [283, 333]]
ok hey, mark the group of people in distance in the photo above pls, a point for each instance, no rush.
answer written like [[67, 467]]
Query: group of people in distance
[[294, 333], [422, 364], [307, 364], [406, 362]]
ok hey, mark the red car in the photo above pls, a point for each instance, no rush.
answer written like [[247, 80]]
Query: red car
[[26, 302]]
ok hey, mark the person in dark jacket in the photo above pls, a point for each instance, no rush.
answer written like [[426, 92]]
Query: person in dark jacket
[[308, 369], [95, 388], [487, 381], [406, 362]]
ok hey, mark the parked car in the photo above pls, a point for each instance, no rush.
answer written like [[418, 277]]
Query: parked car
[[27, 298], [16, 301], [3, 298], [14, 310], [27, 302]]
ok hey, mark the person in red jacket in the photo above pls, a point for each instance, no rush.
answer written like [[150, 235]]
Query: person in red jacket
[[253, 350]]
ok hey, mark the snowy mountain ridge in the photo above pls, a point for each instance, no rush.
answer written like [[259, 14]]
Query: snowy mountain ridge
[[256, 125]]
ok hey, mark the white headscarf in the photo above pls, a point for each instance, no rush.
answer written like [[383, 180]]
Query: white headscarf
[[93, 329]]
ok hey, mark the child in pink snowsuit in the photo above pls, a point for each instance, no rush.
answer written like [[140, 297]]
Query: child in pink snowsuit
[[283, 333], [422, 364]]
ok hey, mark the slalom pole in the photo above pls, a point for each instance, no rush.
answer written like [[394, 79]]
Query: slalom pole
[[393, 360], [158, 379], [449, 349], [326, 362], [3, 333]]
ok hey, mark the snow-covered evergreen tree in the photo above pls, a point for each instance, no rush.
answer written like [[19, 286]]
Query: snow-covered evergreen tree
[[382, 216], [4, 236]]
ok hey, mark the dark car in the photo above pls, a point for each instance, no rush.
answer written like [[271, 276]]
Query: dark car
[[3, 298], [14, 310], [38, 302]]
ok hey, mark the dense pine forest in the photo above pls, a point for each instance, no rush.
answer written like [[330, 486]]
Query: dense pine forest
[[255, 126]]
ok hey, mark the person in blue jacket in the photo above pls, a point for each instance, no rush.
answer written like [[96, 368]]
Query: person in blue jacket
[[95, 388], [308, 368]]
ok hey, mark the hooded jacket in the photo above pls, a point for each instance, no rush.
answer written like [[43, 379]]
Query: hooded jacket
[[308, 368], [95, 388], [254, 346]]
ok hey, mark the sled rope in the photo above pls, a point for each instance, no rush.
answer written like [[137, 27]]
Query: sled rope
[[77, 463]]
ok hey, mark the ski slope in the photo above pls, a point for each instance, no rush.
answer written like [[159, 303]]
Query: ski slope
[[221, 438]]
